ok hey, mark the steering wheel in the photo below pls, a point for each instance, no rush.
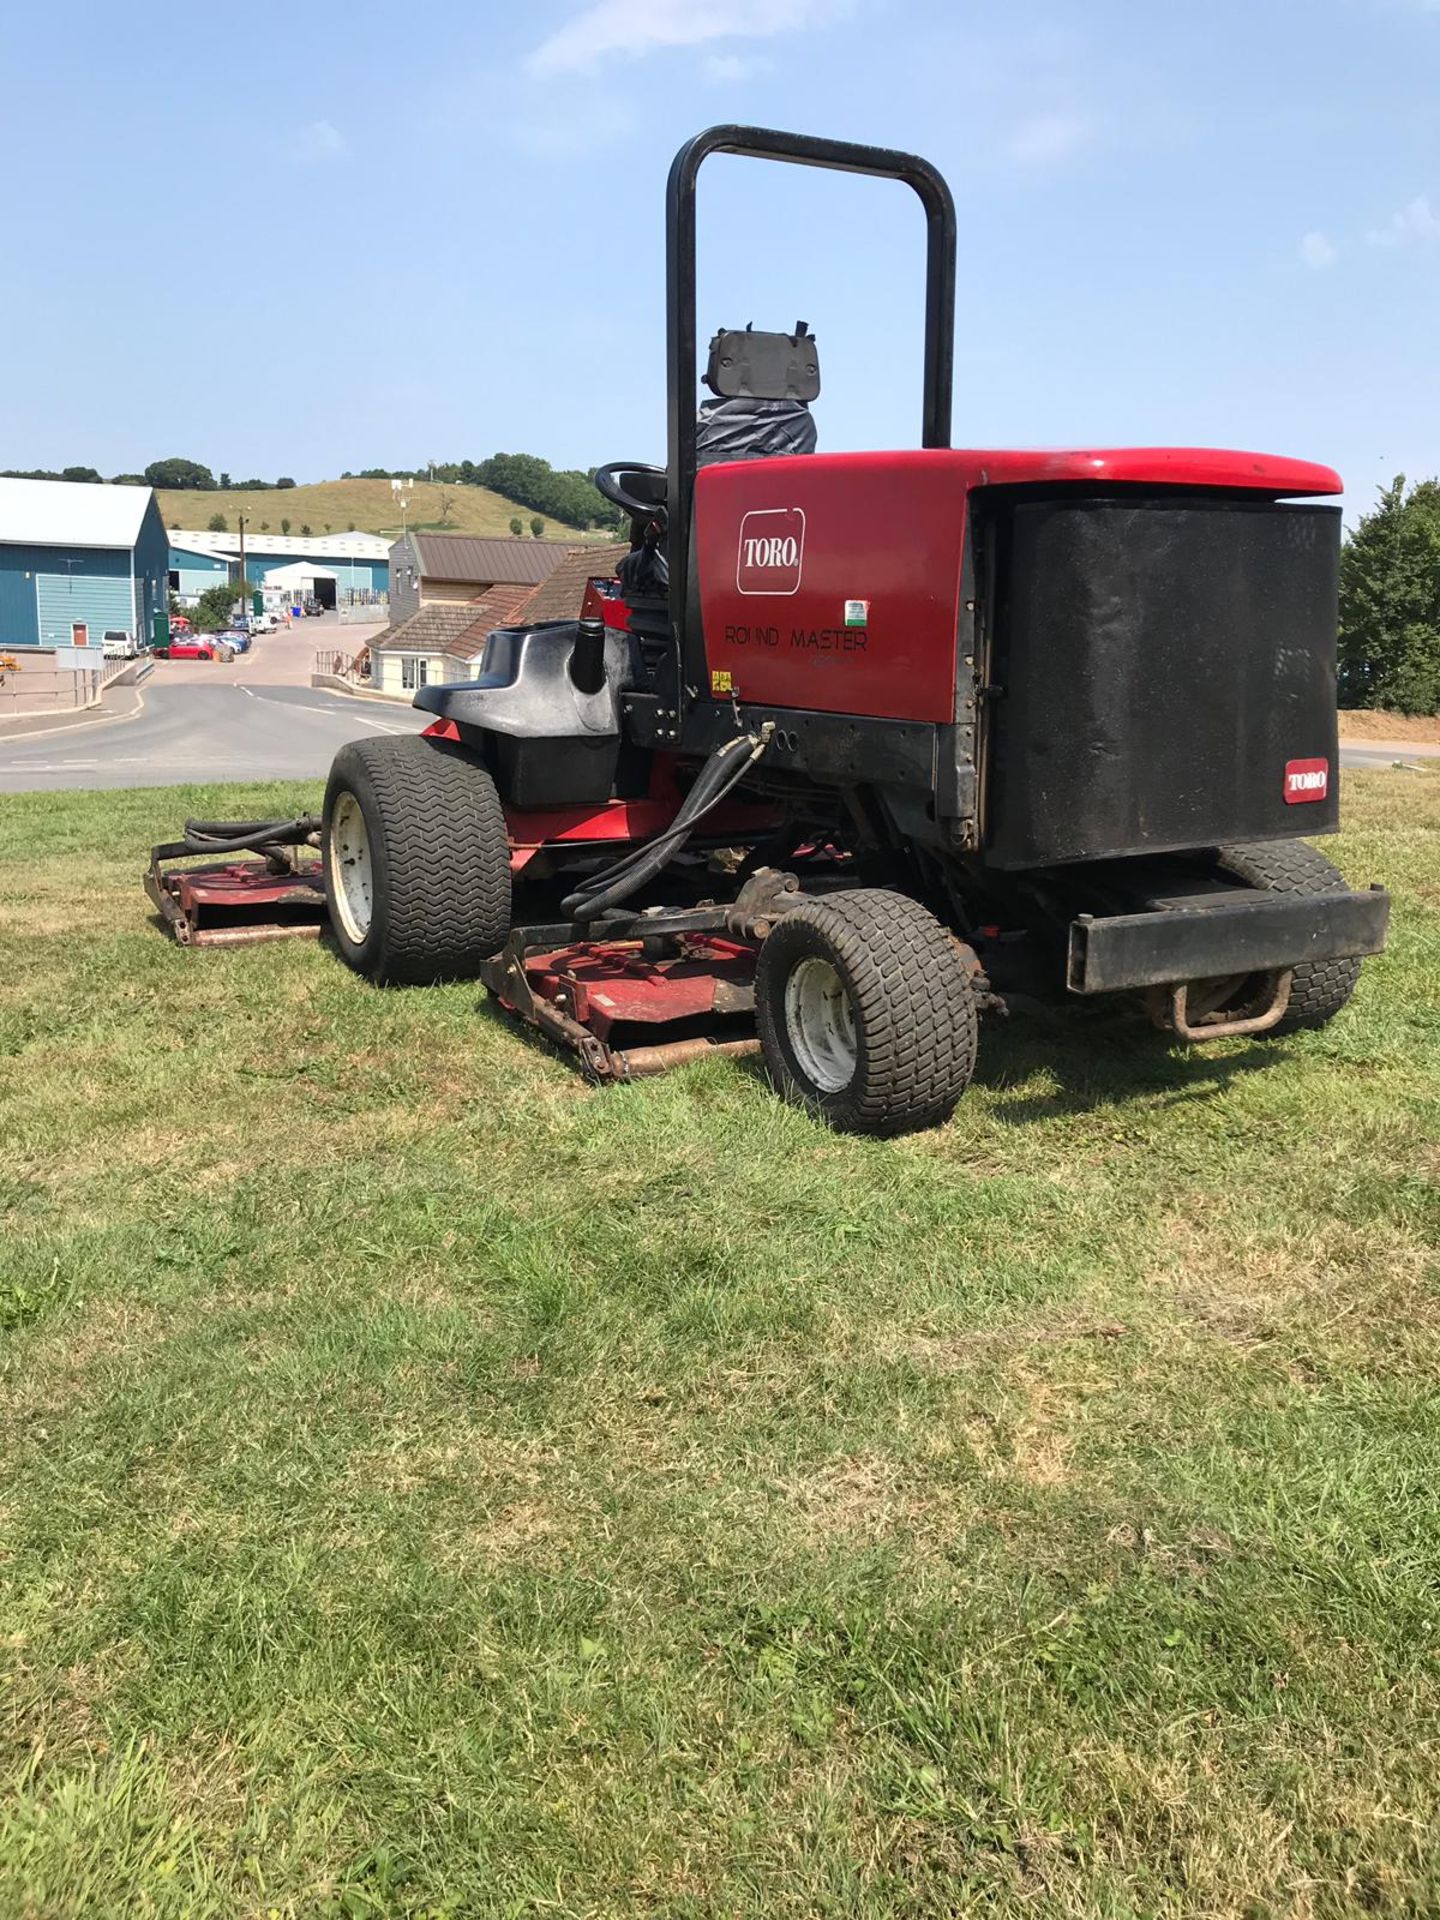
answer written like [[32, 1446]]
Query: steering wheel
[[607, 484]]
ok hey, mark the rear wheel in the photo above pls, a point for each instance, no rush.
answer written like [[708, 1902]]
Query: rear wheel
[[1320, 987], [865, 1012], [417, 864]]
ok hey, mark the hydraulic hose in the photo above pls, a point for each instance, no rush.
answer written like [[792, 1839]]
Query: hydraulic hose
[[722, 772], [250, 836]]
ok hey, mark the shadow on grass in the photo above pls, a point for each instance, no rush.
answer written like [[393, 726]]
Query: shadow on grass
[[1091, 1058], [1085, 1058]]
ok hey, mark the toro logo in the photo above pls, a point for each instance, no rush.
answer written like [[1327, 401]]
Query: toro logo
[[771, 553], [1306, 780]]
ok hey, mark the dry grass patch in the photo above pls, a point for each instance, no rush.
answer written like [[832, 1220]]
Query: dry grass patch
[[1376, 723]]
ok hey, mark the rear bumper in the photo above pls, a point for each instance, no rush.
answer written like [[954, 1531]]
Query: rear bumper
[[1240, 933]]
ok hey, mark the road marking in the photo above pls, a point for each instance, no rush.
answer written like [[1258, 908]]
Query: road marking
[[329, 713]]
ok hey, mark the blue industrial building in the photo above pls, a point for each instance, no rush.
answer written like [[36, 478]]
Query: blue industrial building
[[78, 561], [357, 564]]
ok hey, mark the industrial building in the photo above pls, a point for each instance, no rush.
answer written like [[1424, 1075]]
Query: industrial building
[[78, 561], [347, 569]]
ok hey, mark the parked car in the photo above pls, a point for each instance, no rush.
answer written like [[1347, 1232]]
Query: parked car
[[199, 646], [237, 638], [265, 623], [120, 646], [312, 605]]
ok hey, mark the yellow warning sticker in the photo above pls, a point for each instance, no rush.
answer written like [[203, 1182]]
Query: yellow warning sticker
[[720, 681]]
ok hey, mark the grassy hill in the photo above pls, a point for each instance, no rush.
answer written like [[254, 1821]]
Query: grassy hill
[[367, 505]]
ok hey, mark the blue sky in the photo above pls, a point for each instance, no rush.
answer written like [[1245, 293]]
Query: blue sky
[[296, 238]]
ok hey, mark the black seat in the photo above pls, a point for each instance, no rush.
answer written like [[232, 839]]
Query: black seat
[[762, 384]]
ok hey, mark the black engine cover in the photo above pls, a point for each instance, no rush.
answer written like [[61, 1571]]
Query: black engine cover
[[1163, 665], [548, 741]]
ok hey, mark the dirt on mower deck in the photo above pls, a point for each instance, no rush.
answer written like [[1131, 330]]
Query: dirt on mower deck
[[1374, 723]]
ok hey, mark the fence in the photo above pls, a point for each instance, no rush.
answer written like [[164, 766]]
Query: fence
[[341, 665], [364, 609], [32, 680]]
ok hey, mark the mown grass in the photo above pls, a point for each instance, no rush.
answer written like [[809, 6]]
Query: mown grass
[[367, 504], [433, 1488]]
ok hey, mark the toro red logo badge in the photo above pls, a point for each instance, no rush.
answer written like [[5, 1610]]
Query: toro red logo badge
[[1306, 780], [771, 554]]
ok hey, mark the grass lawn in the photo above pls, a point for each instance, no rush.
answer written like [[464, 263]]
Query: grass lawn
[[368, 503], [432, 1488]]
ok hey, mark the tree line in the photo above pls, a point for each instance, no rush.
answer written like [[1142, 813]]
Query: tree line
[[561, 493], [175, 476], [1390, 602]]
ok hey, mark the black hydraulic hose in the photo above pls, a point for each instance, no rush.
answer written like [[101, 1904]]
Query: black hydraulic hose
[[725, 768], [700, 795], [249, 836]]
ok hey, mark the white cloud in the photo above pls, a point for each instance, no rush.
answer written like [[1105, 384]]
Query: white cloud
[[550, 132], [638, 27], [725, 68], [319, 140], [1319, 250], [1046, 138], [1417, 222]]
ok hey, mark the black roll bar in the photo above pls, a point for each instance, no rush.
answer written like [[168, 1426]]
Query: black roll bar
[[804, 150]]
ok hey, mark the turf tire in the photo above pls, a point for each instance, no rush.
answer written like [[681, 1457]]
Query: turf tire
[[915, 1021], [440, 860], [1320, 988]]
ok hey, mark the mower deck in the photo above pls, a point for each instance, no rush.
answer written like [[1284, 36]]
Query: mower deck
[[238, 902], [608, 1000]]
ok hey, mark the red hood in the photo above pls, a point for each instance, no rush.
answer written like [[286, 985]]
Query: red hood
[[1264, 473], [1157, 466]]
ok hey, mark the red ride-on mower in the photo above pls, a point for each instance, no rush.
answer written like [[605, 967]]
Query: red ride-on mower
[[852, 732]]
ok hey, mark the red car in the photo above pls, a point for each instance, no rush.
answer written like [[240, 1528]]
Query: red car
[[192, 646]]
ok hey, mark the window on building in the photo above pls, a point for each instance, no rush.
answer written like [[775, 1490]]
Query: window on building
[[414, 673]]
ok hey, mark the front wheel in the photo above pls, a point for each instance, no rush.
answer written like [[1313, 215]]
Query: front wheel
[[865, 1012], [417, 863]]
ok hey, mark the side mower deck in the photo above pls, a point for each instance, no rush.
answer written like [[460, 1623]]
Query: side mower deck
[[266, 890], [237, 903]]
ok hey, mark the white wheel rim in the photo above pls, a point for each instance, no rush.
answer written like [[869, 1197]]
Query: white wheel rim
[[351, 872], [820, 1023]]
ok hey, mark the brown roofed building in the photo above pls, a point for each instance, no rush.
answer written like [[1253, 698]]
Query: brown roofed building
[[412, 653], [500, 607], [445, 639], [459, 566], [559, 596]]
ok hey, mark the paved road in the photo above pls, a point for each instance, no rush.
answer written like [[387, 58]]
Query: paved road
[[190, 731], [1380, 753], [203, 722]]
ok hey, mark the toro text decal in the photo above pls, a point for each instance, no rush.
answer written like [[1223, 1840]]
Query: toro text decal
[[1306, 780], [771, 553]]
